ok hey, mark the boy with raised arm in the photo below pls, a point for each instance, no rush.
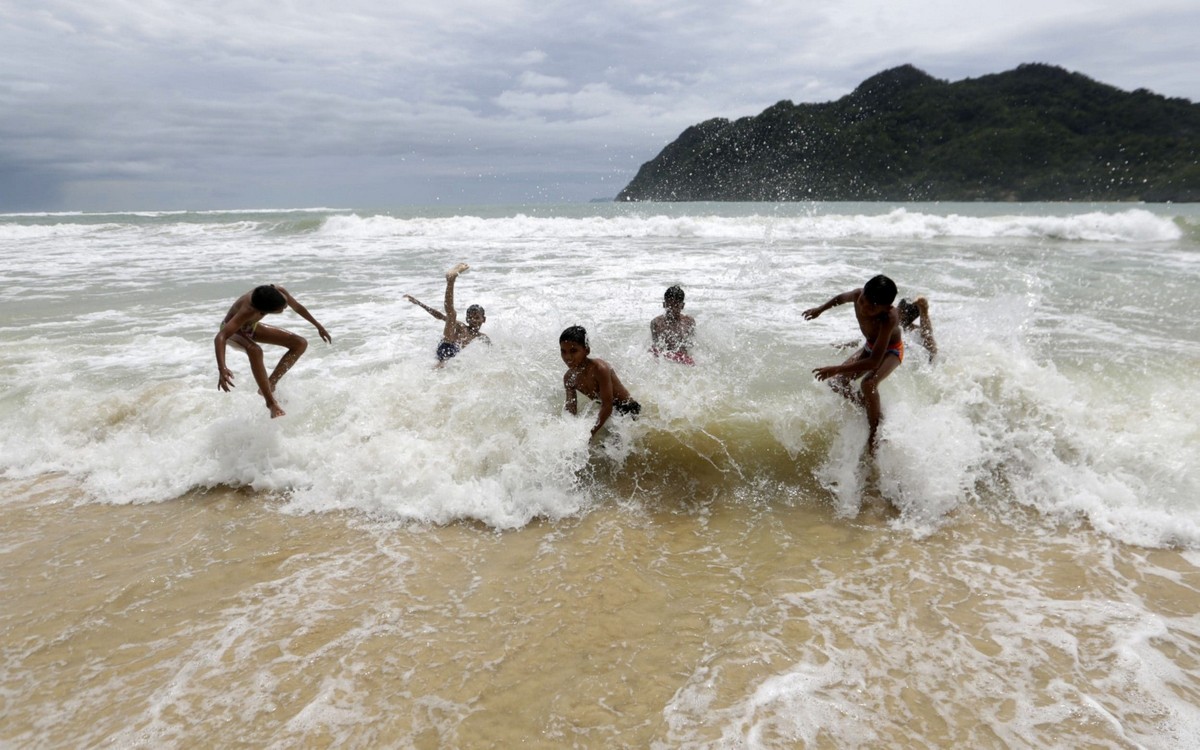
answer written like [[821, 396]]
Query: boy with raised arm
[[455, 335], [244, 329], [882, 352], [592, 377], [672, 332]]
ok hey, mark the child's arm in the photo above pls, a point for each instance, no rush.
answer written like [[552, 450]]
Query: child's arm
[[225, 375], [604, 382], [435, 313], [571, 402], [656, 331], [841, 299], [303, 312]]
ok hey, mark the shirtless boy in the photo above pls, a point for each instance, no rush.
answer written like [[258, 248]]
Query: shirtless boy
[[455, 334], [592, 377], [882, 352], [243, 328], [672, 332]]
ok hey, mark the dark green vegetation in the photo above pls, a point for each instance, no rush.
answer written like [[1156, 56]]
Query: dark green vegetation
[[1037, 133]]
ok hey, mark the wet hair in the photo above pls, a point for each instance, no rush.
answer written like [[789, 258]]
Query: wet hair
[[908, 312], [673, 294], [576, 335], [880, 290], [475, 308], [267, 299]]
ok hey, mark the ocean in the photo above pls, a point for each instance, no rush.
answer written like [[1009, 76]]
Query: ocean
[[429, 558]]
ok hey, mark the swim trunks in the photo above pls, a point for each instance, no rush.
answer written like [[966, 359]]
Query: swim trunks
[[246, 330], [446, 350], [629, 407], [682, 358], [897, 349]]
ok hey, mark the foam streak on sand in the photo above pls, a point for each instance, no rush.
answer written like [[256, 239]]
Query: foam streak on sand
[[417, 557]]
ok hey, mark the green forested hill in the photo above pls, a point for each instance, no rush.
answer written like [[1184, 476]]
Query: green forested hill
[[1036, 133]]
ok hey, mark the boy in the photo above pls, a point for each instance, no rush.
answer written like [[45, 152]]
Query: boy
[[672, 332], [909, 312], [594, 378], [875, 359], [455, 335], [243, 329]]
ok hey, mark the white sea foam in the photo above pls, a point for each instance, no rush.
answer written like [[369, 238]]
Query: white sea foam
[[1131, 225], [1041, 398]]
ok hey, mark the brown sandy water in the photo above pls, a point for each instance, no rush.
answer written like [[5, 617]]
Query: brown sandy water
[[219, 620]]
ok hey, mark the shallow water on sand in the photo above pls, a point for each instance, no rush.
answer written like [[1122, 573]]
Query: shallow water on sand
[[679, 624]]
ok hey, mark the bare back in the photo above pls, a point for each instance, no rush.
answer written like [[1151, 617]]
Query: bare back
[[672, 333]]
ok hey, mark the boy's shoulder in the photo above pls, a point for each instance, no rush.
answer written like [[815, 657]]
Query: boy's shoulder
[[242, 306], [591, 367]]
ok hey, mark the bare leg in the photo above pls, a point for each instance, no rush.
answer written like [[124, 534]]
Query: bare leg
[[258, 368], [293, 355], [870, 397], [296, 346], [450, 330]]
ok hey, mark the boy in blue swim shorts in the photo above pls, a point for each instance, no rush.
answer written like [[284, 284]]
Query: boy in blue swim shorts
[[455, 334]]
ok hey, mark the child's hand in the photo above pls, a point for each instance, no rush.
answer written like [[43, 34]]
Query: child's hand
[[825, 373], [226, 381], [409, 297], [812, 312], [324, 334]]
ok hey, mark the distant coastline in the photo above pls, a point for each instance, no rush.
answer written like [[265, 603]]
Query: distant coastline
[[1035, 133]]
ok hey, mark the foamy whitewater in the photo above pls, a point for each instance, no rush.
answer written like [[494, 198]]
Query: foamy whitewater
[[1061, 410]]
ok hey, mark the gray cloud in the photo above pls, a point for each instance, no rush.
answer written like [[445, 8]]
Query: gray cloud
[[115, 104]]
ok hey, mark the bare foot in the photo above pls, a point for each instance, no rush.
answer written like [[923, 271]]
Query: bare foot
[[276, 410], [454, 272]]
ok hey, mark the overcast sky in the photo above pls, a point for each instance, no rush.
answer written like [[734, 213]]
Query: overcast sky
[[167, 104]]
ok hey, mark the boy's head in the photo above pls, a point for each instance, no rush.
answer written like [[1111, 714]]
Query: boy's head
[[475, 316], [673, 297], [575, 335], [573, 346], [880, 290], [267, 299]]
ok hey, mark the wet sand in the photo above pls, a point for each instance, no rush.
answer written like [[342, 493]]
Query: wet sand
[[217, 619]]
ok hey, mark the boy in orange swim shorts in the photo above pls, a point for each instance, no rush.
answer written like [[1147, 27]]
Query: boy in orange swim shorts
[[882, 352]]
